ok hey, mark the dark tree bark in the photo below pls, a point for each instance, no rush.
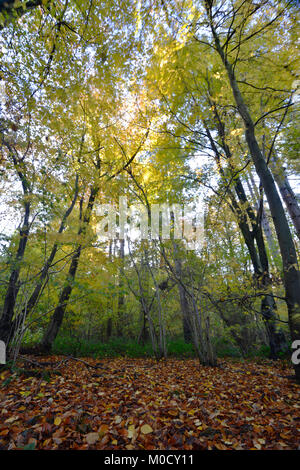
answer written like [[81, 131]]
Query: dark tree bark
[[13, 283], [64, 297], [187, 334], [109, 324], [287, 247], [45, 269], [258, 255], [6, 325], [108, 328], [121, 300], [264, 219], [144, 333], [286, 192]]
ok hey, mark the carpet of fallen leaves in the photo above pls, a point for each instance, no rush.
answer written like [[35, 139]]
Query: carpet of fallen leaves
[[143, 404]]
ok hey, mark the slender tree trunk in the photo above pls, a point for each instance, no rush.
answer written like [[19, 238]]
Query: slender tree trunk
[[162, 347], [109, 320], [187, 334], [258, 256], [13, 282], [145, 305], [108, 328], [44, 272], [212, 360], [6, 324], [286, 192], [57, 318], [287, 247], [144, 334], [121, 300], [143, 297], [264, 219], [201, 331]]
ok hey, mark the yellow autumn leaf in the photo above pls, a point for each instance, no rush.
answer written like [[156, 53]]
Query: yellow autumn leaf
[[11, 420], [131, 431], [57, 421], [146, 429]]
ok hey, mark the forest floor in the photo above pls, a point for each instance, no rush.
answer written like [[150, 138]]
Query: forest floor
[[143, 404]]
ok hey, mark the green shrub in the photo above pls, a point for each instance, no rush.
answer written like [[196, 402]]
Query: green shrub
[[179, 348], [32, 337], [226, 348], [117, 347], [113, 348]]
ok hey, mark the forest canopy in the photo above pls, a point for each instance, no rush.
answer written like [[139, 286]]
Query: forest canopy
[[168, 105]]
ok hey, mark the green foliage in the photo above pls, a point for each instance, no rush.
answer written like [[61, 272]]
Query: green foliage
[[32, 337], [113, 348], [127, 105], [117, 347], [178, 348], [226, 348]]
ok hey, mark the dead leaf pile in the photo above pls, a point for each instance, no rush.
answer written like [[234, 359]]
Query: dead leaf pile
[[141, 404]]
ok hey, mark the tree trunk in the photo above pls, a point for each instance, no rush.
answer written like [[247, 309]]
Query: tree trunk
[[64, 297], [121, 300], [162, 346], [264, 220], [144, 333], [57, 318], [6, 325], [187, 334], [44, 272], [109, 320], [287, 247], [258, 256], [276, 336], [286, 192], [13, 283]]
